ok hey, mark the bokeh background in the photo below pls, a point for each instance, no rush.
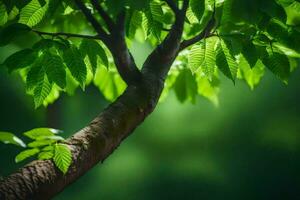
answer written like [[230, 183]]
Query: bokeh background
[[247, 148]]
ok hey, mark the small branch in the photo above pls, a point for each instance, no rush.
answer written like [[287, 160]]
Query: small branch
[[204, 34], [123, 59], [160, 60], [109, 22], [68, 35], [102, 34]]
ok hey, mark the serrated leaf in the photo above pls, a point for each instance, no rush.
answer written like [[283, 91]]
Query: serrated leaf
[[55, 69], [32, 13], [152, 26], [42, 90], [10, 138], [13, 13], [191, 16], [46, 44], [278, 64], [3, 14], [196, 57], [38, 132], [203, 56], [185, 86], [156, 11], [20, 59], [26, 154], [75, 63], [93, 50], [109, 83], [250, 54], [225, 61], [62, 157], [197, 8], [35, 74], [10, 32], [135, 22]]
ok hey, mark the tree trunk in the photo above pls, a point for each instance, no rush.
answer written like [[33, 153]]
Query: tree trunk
[[42, 180], [95, 142]]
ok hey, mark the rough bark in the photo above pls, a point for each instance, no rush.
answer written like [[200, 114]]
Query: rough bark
[[95, 142], [92, 144]]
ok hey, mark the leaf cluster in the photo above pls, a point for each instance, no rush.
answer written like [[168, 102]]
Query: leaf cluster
[[248, 38], [45, 145]]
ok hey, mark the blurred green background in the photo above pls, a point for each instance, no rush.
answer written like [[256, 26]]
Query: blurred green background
[[247, 148]]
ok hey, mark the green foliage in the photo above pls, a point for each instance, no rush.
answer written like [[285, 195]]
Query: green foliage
[[26, 154], [248, 38], [33, 13], [94, 51], [225, 60], [75, 63], [10, 138], [45, 145], [62, 157], [109, 83]]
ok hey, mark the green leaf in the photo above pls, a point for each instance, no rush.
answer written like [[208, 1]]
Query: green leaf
[[156, 11], [196, 57], [152, 27], [3, 14], [10, 32], [41, 132], [93, 50], [53, 137], [41, 91], [198, 8], [35, 74], [135, 22], [13, 13], [190, 15], [20, 59], [185, 86], [109, 83], [226, 61], [250, 54], [46, 155], [278, 64], [62, 157], [40, 143], [26, 154], [32, 13], [207, 89], [55, 69], [46, 44], [251, 75], [203, 56], [10, 138], [74, 61]]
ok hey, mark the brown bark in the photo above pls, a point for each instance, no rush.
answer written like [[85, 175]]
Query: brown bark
[[95, 142], [92, 144]]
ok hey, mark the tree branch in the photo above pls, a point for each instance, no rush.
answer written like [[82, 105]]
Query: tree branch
[[102, 34], [56, 34], [162, 57], [204, 34], [115, 42], [109, 22], [123, 59], [173, 6]]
